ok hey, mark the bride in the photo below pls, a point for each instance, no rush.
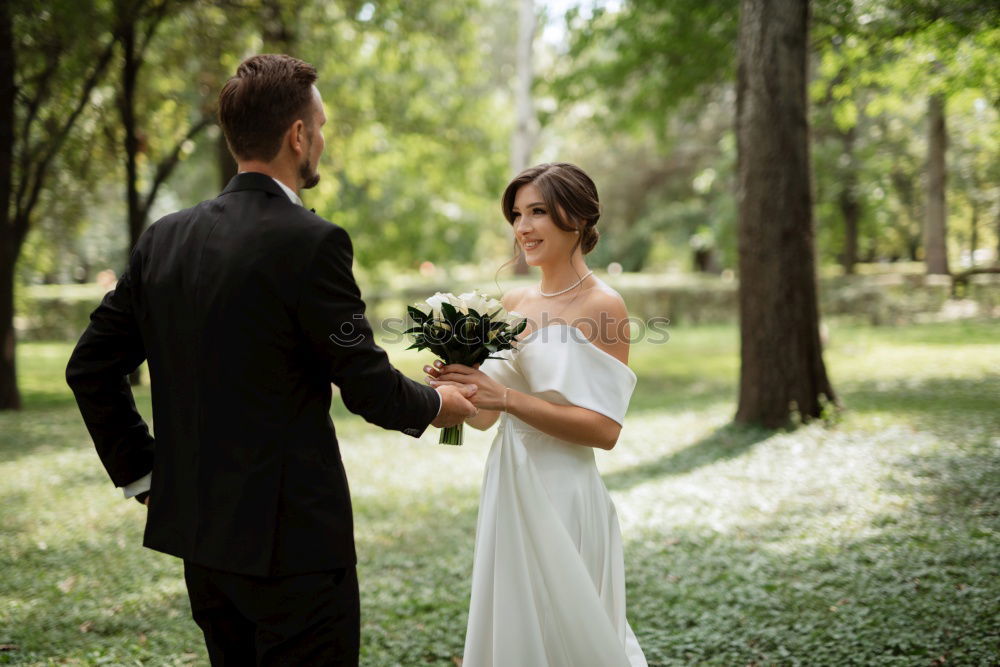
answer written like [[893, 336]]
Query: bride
[[548, 577]]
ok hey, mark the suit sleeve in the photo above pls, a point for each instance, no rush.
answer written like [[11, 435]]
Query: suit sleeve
[[331, 314], [109, 349]]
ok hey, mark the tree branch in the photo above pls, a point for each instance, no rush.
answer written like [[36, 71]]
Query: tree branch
[[43, 78], [33, 104], [156, 16], [167, 164], [23, 209]]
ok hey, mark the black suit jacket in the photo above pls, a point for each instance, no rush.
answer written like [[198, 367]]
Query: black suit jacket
[[246, 309]]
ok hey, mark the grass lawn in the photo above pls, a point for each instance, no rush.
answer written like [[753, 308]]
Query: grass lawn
[[872, 539]]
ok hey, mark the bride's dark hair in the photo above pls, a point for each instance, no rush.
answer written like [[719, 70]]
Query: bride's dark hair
[[570, 197]]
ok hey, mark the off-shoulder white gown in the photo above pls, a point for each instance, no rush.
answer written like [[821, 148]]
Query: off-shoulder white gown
[[548, 578]]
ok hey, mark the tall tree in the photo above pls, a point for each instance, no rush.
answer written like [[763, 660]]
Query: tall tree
[[137, 24], [850, 206], [48, 70], [782, 365], [522, 139], [9, 396], [936, 222]]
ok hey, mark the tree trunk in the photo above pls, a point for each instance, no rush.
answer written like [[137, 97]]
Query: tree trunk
[[996, 260], [910, 225], [130, 76], [782, 367], [849, 206], [974, 231], [520, 154], [226, 164], [10, 397], [935, 224]]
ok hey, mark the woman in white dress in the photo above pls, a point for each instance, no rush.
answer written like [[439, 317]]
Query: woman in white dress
[[548, 578]]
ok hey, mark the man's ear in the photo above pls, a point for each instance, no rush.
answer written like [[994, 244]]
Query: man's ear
[[297, 137]]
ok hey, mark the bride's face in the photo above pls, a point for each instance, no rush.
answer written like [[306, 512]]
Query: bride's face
[[533, 222]]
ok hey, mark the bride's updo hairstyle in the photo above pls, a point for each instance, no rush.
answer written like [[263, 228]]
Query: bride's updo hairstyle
[[570, 196]]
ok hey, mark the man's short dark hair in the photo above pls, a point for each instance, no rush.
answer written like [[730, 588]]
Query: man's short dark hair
[[268, 93]]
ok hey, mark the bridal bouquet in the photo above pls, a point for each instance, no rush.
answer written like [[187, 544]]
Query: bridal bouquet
[[464, 329]]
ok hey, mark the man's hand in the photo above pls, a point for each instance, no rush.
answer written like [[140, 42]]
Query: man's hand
[[455, 406]]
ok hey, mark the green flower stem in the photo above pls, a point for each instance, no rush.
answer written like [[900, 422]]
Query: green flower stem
[[451, 435]]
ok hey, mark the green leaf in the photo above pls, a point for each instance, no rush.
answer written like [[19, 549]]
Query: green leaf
[[418, 315], [450, 313]]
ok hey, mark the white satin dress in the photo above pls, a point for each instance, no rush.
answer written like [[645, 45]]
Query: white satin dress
[[548, 577]]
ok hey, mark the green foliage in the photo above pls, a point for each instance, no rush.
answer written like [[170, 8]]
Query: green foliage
[[416, 153], [57, 72], [878, 65], [658, 76], [416, 144], [640, 62]]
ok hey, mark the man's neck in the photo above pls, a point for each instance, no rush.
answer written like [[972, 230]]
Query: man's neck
[[286, 176]]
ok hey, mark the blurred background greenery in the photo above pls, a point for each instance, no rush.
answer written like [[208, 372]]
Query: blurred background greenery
[[868, 537]]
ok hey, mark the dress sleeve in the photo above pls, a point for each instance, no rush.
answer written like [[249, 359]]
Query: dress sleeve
[[562, 366]]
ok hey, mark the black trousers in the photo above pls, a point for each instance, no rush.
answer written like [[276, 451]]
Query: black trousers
[[304, 619]]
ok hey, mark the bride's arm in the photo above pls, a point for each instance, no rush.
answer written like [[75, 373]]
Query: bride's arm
[[484, 419], [566, 422]]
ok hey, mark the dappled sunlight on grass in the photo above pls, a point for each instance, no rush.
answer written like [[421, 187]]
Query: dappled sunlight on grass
[[874, 562]]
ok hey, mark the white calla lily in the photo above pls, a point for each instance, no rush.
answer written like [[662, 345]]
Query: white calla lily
[[435, 302], [476, 301]]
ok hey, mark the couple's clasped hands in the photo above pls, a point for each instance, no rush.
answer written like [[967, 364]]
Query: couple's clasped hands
[[464, 390]]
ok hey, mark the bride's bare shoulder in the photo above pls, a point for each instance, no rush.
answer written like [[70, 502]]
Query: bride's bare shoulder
[[512, 297], [606, 309]]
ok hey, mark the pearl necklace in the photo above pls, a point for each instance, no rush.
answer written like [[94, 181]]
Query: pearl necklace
[[567, 289]]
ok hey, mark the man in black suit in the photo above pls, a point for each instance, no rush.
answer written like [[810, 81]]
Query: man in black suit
[[246, 309]]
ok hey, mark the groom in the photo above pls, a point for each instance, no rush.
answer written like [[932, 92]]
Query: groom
[[246, 309]]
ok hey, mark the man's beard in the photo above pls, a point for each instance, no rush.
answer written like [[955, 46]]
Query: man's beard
[[309, 177]]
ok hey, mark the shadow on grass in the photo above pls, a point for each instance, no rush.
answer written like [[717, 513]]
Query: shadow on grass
[[726, 442], [944, 406], [666, 393], [918, 586], [35, 431], [51, 420]]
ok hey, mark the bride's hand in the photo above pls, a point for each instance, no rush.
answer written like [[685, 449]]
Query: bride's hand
[[489, 396]]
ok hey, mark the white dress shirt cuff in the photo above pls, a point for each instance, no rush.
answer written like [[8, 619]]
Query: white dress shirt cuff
[[440, 404], [138, 486]]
